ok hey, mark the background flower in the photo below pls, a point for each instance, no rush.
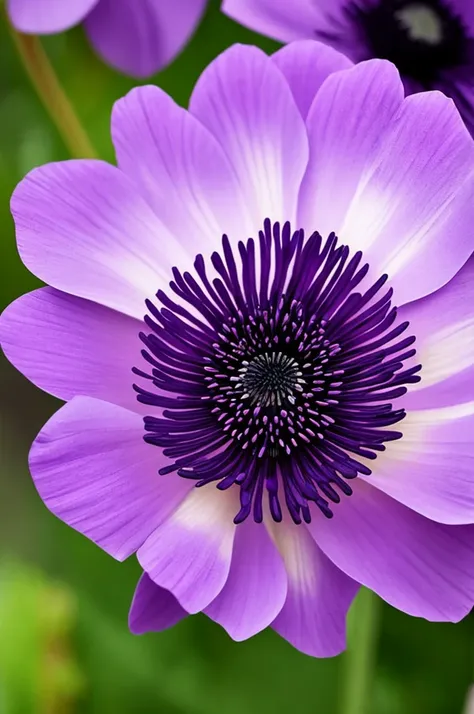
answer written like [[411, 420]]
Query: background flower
[[138, 37], [430, 41], [263, 137]]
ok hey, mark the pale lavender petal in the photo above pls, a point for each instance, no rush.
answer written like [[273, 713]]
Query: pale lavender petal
[[423, 568], [443, 324], [431, 468], [69, 346], [153, 609], [180, 168], [82, 227], [247, 104], [346, 123], [256, 586], [190, 553], [44, 17], [140, 38], [94, 471], [283, 20], [416, 199], [313, 617], [306, 65]]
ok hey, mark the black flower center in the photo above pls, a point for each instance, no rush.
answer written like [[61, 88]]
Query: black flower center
[[421, 37], [277, 375], [270, 378]]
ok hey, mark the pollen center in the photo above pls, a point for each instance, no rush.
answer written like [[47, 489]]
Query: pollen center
[[269, 379], [422, 23], [423, 38]]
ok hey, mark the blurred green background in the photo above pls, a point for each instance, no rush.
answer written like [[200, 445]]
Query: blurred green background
[[64, 643]]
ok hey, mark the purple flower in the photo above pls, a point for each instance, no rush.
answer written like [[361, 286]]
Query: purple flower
[[430, 41], [138, 37], [275, 364]]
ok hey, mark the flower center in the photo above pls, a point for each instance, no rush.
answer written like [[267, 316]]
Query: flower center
[[421, 23], [270, 379], [276, 376], [421, 37]]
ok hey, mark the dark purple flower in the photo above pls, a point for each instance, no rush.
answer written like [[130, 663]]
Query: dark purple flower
[[138, 37], [431, 42], [258, 267]]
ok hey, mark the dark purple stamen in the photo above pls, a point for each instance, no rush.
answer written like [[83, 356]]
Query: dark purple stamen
[[275, 375]]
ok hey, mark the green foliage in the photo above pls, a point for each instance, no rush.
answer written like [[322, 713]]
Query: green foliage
[[38, 669]]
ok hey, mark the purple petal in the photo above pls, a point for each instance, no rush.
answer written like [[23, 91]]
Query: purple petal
[[153, 608], [313, 617], [411, 86], [346, 123], [416, 199], [465, 10], [247, 104], [190, 553], [443, 324], [346, 34], [180, 169], [420, 567], [306, 65], [83, 228], [44, 17], [69, 346], [280, 19], [140, 38], [256, 586], [431, 468], [94, 471]]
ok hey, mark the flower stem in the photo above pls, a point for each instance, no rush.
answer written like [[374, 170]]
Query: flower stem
[[360, 655], [46, 83]]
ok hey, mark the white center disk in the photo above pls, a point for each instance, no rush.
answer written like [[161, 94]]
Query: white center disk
[[422, 23]]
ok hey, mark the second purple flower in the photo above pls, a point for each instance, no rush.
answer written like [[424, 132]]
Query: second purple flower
[[138, 37], [431, 42]]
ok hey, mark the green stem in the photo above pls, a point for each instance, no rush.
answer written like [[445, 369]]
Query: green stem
[[360, 655], [46, 83]]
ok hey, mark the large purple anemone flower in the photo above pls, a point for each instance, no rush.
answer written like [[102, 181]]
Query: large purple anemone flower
[[232, 320], [138, 37], [430, 41]]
